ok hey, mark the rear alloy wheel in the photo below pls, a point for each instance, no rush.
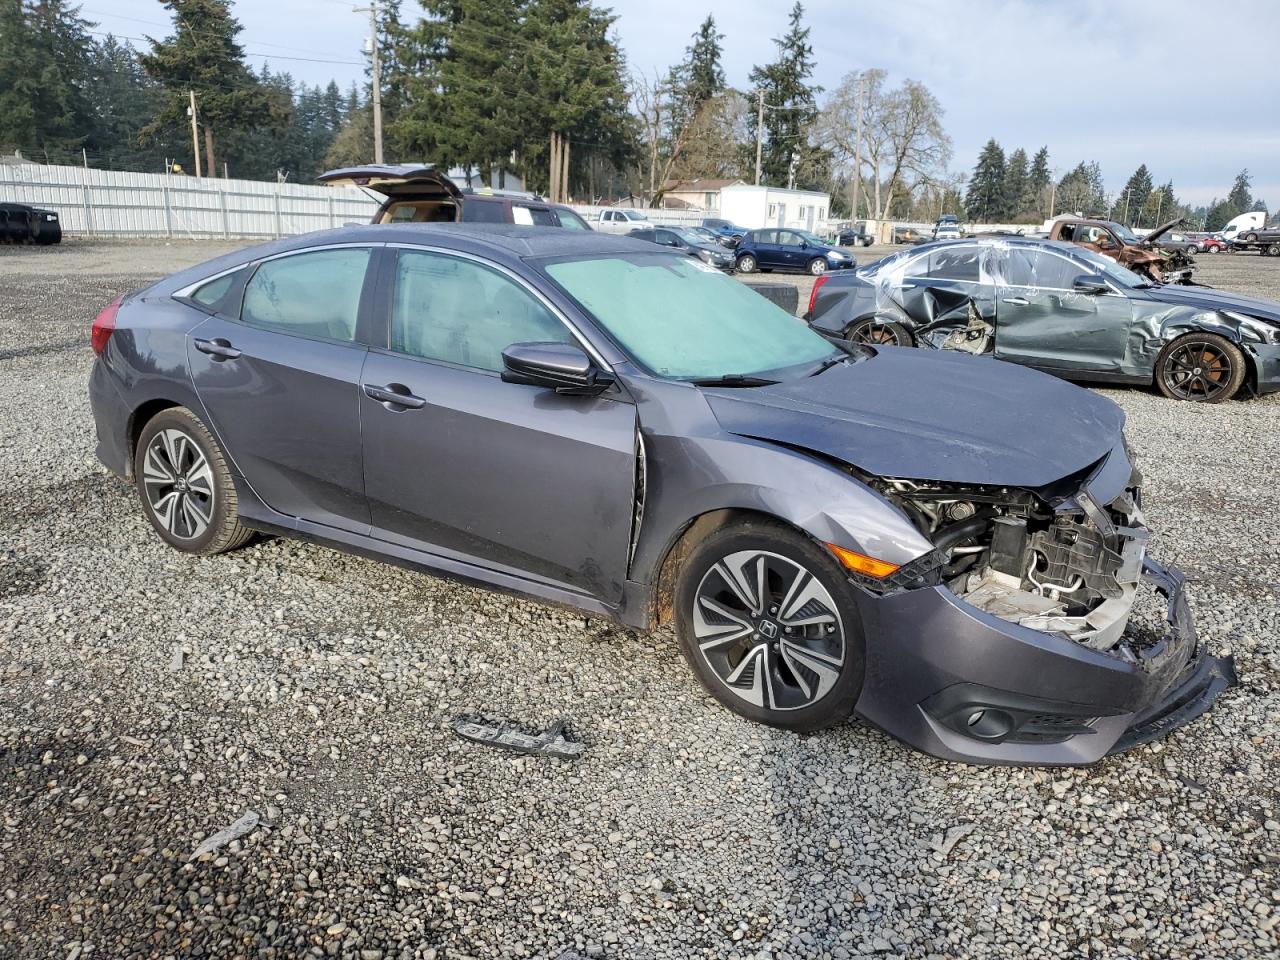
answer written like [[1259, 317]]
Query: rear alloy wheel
[[1250, 237], [767, 621], [185, 486], [879, 333], [818, 266], [746, 263], [1201, 367]]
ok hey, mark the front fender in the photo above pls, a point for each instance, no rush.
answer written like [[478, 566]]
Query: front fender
[[689, 477]]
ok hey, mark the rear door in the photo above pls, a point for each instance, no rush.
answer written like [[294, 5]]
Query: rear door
[[514, 477], [1042, 321], [279, 380], [764, 244], [939, 287]]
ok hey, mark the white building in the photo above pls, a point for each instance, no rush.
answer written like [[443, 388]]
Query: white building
[[753, 207]]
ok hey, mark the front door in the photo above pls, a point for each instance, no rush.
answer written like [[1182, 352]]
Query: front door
[[1043, 322], [506, 475], [279, 384]]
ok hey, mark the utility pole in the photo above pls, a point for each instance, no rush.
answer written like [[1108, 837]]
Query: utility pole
[[376, 64], [759, 131], [1126, 208], [195, 136], [857, 152]]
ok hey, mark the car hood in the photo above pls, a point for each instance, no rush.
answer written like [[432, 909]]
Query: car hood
[[1161, 230], [1204, 298], [925, 415], [712, 248]]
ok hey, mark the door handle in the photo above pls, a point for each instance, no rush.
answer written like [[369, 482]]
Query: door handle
[[218, 348], [1017, 301], [394, 395]]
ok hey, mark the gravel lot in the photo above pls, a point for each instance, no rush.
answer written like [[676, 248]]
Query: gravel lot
[[149, 699]]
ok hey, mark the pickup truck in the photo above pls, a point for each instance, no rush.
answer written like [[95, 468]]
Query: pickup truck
[[621, 221], [1142, 255]]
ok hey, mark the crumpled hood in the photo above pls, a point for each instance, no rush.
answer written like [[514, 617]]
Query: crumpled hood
[[1203, 298], [928, 415]]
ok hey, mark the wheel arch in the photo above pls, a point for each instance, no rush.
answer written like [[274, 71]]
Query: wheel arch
[[662, 590], [139, 417]]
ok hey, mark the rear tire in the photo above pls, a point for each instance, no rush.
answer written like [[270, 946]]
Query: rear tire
[[1250, 237], [879, 333], [746, 263], [185, 485], [1274, 250], [796, 676], [1201, 368]]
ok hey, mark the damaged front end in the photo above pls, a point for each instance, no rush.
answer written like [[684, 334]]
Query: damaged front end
[[1029, 599]]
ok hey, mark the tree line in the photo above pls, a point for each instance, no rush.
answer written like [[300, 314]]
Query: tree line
[[1011, 190], [538, 88]]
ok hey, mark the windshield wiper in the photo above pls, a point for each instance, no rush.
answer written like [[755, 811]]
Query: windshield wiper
[[732, 380]]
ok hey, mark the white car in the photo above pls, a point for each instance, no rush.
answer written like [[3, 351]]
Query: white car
[[621, 221]]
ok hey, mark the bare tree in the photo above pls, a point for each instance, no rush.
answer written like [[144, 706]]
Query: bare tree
[[902, 136]]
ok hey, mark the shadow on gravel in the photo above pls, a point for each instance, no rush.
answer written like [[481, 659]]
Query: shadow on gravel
[[60, 347], [20, 574]]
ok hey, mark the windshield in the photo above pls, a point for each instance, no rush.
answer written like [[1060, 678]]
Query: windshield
[[688, 235], [681, 319], [1124, 233], [1122, 276], [812, 238], [635, 215]]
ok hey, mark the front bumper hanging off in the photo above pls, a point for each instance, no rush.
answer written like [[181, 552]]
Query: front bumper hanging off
[[961, 684]]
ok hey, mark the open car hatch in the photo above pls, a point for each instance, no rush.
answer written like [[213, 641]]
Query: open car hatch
[[407, 181]]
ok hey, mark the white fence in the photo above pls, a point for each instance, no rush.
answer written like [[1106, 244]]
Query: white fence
[[110, 203]]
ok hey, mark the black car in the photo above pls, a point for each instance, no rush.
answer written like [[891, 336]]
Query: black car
[[1059, 308], [20, 223], [684, 238], [851, 237], [423, 194]]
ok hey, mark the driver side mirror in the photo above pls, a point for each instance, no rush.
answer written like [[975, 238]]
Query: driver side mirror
[[1090, 284], [562, 367]]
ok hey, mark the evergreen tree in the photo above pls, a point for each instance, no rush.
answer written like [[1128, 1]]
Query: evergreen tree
[[19, 80], [1015, 185], [699, 78], [790, 107], [1135, 194], [984, 201], [1082, 191], [203, 55], [1240, 197], [1035, 201], [125, 99]]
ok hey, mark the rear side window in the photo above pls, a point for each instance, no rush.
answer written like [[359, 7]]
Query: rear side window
[[954, 263], [536, 216], [475, 210], [571, 221], [313, 294], [212, 292]]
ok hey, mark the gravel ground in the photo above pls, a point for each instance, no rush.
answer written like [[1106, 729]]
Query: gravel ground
[[149, 699]]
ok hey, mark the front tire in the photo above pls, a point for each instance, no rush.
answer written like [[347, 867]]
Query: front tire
[[1200, 367], [746, 263], [768, 622], [185, 486], [817, 266]]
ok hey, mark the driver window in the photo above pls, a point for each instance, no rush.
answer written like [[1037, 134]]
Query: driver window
[[461, 312], [788, 239]]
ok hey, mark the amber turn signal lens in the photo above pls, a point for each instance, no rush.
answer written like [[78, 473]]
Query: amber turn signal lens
[[859, 563]]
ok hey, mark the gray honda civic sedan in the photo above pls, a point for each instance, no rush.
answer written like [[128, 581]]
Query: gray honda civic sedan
[[948, 547]]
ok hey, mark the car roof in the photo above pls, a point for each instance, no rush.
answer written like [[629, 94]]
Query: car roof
[[496, 240]]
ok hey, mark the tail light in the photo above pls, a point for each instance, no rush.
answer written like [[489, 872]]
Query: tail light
[[817, 285], [104, 324]]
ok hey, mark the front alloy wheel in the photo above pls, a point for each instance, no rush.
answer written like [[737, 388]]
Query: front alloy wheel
[[767, 622], [1201, 367], [818, 266]]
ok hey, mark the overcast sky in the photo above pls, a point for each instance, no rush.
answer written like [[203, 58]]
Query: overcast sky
[[1162, 82]]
